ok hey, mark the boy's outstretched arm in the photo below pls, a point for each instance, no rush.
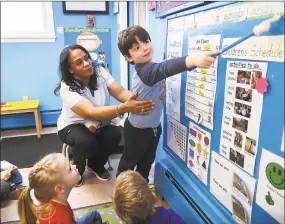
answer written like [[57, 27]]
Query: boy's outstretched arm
[[151, 73]]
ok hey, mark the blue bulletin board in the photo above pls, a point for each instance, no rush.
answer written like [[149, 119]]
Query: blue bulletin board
[[194, 199], [96, 40]]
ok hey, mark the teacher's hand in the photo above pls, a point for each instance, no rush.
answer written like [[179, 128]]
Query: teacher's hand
[[136, 107]]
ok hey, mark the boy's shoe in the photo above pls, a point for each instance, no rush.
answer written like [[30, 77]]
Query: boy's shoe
[[79, 183], [103, 176]]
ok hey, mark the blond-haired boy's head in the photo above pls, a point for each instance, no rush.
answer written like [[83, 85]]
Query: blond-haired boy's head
[[133, 200]]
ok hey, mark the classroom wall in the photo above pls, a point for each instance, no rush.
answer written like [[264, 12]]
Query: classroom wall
[[267, 124], [30, 69]]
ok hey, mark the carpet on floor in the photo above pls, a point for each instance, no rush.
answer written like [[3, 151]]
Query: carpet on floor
[[106, 210], [25, 151]]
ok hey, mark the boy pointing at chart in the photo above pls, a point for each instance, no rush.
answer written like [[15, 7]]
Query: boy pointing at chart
[[142, 133]]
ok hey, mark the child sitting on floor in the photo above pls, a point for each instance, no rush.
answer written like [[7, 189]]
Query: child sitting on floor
[[134, 202], [50, 182]]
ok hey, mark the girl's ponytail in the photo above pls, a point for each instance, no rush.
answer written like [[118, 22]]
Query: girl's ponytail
[[26, 207]]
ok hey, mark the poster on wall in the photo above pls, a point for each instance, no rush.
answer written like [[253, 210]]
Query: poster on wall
[[174, 50], [242, 113], [176, 137], [258, 10], [201, 83], [199, 142], [271, 185], [97, 41], [232, 187], [233, 13]]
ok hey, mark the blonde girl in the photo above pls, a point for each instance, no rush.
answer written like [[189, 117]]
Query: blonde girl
[[44, 200]]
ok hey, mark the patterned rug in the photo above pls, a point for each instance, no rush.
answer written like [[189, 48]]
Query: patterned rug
[[106, 210]]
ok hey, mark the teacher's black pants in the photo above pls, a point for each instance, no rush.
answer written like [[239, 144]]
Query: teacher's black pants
[[86, 145]]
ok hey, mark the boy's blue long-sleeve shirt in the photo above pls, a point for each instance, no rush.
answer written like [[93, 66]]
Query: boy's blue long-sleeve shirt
[[149, 82]]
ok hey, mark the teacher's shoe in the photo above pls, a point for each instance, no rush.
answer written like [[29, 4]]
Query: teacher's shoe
[[104, 175]]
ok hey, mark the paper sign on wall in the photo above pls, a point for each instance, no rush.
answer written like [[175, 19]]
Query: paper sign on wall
[[233, 13], [242, 113], [97, 42], [271, 185], [233, 187], [201, 83], [189, 22], [59, 29], [207, 18], [176, 137], [173, 83], [264, 48], [176, 24], [199, 142], [258, 10]]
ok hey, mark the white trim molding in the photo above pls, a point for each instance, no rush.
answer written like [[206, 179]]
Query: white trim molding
[[141, 14], [123, 22]]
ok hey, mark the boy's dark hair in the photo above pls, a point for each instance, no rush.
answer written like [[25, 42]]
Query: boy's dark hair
[[128, 36]]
